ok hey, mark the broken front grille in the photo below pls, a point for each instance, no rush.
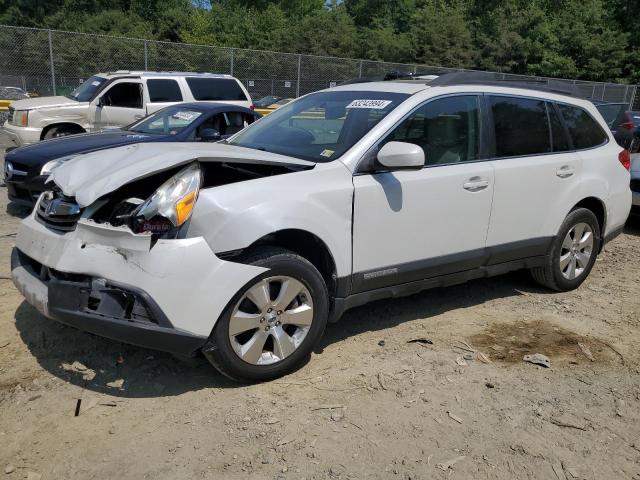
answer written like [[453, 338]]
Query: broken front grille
[[57, 212]]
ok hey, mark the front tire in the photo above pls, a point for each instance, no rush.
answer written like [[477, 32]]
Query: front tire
[[62, 131], [271, 326], [572, 253]]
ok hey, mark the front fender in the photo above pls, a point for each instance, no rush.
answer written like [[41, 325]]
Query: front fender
[[318, 201], [77, 114]]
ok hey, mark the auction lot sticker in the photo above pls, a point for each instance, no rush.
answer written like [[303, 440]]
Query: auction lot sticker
[[376, 104]]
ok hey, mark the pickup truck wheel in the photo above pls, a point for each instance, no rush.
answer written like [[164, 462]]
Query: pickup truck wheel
[[271, 326], [61, 131], [572, 253]]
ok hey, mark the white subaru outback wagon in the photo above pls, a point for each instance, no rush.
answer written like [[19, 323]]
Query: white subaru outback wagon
[[245, 249]]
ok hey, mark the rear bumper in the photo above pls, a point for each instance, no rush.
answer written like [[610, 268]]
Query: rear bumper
[[19, 136], [69, 301]]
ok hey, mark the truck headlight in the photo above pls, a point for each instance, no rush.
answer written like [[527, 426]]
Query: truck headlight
[[171, 205], [21, 118]]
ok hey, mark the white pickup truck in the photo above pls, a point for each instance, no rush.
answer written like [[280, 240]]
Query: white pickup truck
[[111, 100]]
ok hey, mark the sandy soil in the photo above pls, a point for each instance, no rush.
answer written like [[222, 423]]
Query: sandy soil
[[368, 405]]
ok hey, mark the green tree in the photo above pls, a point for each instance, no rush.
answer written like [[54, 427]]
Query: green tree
[[440, 34]]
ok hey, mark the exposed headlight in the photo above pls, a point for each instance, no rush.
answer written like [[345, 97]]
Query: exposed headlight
[[48, 167], [171, 205], [21, 118]]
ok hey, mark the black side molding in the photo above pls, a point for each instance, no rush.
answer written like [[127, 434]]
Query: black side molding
[[341, 305]]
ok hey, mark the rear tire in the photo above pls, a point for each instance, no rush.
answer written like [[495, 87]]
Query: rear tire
[[572, 253], [280, 334]]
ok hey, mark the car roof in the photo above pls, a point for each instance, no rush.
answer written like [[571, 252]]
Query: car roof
[[149, 73], [388, 86], [413, 86]]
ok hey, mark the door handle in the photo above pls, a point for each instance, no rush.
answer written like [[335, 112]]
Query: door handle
[[565, 171], [475, 184]]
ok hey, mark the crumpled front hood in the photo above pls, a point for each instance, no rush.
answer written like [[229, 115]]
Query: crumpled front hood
[[93, 175], [44, 102]]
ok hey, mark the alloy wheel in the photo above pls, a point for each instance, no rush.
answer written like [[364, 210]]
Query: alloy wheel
[[576, 251], [271, 320]]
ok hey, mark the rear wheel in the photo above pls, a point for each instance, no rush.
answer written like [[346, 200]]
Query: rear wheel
[[271, 326], [572, 253]]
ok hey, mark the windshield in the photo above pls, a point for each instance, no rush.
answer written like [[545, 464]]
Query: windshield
[[167, 121], [86, 91], [319, 127]]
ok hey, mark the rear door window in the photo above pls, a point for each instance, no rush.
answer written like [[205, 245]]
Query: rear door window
[[521, 126], [585, 132], [164, 90], [204, 88]]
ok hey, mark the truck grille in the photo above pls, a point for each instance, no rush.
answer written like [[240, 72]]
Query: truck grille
[[10, 116], [57, 212]]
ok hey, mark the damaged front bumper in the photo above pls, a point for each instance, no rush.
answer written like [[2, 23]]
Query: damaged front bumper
[[112, 282]]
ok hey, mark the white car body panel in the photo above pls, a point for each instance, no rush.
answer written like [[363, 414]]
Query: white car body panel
[[316, 201], [527, 193], [404, 216]]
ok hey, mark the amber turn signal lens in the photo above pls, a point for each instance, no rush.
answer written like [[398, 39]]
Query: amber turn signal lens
[[184, 207]]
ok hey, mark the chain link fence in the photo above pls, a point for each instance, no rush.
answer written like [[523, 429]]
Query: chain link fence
[[51, 62]]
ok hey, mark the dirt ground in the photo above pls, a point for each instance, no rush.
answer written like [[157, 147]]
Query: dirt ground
[[370, 404]]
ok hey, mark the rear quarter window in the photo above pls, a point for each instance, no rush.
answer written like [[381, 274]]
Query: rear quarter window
[[584, 130], [215, 89], [164, 90]]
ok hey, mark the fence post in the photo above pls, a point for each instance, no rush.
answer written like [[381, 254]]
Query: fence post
[[232, 62], [633, 97], [604, 87], [298, 84], [360, 73], [146, 56], [53, 72]]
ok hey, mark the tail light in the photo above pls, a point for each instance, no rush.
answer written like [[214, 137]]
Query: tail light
[[625, 159], [629, 124]]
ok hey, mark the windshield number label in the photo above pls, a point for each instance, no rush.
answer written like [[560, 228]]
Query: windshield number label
[[186, 116], [375, 104]]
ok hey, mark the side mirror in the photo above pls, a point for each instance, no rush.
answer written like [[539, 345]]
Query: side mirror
[[210, 135], [101, 101], [401, 156]]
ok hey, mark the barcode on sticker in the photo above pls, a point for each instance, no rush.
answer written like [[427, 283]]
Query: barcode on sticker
[[377, 104]]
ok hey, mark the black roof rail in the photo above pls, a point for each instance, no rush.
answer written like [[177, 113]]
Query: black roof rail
[[448, 78], [501, 80]]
